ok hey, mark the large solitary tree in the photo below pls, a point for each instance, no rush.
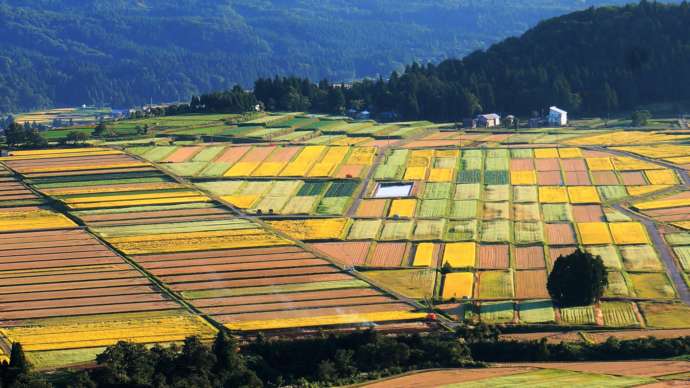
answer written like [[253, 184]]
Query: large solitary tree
[[578, 279]]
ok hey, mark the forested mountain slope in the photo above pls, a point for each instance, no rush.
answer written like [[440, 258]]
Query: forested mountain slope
[[597, 61], [123, 52]]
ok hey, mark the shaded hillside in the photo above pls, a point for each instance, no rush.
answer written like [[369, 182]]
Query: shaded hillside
[[123, 52]]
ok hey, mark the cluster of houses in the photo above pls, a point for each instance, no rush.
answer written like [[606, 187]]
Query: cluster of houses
[[556, 118]]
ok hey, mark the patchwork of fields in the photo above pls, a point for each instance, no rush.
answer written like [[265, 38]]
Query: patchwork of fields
[[155, 261], [316, 222]]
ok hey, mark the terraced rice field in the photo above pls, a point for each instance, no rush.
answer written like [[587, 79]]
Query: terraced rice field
[[142, 258], [268, 235]]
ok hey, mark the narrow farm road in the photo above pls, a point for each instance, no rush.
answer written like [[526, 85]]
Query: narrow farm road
[[658, 240], [663, 249]]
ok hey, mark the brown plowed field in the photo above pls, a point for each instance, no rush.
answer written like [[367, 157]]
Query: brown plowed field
[[633, 178], [327, 311], [259, 282], [48, 235], [521, 165], [53, 257], [284, 154], [577, 178], [588, 213], [573, 165], [529, 257], [208, 267], [88, 310], [547, 165], [77, 302], [530, 284], [605, 178], [17, 281], [349, 171], [182, 154], [74, 285], [89, 268], [212, 276], [668, 212], [232, 154], [17, 197], [439, 378], [250, 260], [18, 253], [348, 253], [294, 305], [555, 252], [494, 256], [45, 264], [388, 254], [286, 297], [619, 368], [229, 253], [63, 242], [549, 178], [560, 234], [371, 208], [257, 154], [47, 295]]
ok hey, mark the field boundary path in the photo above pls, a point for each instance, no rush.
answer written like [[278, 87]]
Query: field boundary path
[[666, 255], [658, 240], [241, 215]]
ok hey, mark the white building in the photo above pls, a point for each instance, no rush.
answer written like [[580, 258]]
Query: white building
[[489, 120], [557, 117]]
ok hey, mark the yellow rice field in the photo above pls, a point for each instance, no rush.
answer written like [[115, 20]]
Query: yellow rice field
[[553, 194], [131, 197], [312, 229], [583, 194], [83, 167], [201, 244], [599, 164], [460, 255], [662, 177], [241, 169], [593, 233], [415, 173], [32, 219], [328, 320], [241, 201], [570, 153], [403, 207], [546, 153], [637, 191], [628, 233], [663, 204], [303, 162], [523, 177], [53, 334], [441, 175], [458, 285], [424, 255]]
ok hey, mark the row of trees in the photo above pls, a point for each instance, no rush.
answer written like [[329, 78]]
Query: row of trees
[[335, 359]]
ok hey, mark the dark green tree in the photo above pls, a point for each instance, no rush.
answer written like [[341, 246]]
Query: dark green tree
[[578, 279], [100, 129], [15, 134], [640, 118]]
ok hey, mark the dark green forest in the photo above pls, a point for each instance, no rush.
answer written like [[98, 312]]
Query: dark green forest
[[326, 360], [593, 62], [127, 52]]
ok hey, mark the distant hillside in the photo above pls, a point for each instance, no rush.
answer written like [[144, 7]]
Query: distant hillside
[[123, 52], [597, 61]]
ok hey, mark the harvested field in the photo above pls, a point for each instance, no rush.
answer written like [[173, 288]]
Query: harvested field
[[348, 253], [560, 234], [388, 254], [444, 377], [588, 213], [665, 315], [494, 256], [531, 257], [619, 314], [497, 312], [549, 178], [371, 208], [640, 258], [530, 284]]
